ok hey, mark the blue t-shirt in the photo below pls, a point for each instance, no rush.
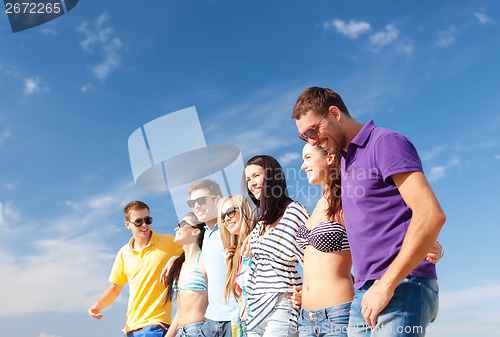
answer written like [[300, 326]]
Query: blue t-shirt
[[375, 214], [213, 256]]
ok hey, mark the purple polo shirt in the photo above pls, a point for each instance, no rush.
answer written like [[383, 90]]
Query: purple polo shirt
[[375, 214]]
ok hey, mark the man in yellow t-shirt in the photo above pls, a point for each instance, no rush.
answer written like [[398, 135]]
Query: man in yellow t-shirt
[[140, 262]]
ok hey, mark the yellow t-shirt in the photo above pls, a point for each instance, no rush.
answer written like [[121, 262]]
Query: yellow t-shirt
[[146, 304]]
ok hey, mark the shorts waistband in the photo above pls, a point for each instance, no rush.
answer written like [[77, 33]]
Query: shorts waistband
[[322, 314], [162, 326]]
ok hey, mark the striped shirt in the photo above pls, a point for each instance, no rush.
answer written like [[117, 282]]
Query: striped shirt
[[275, 255]]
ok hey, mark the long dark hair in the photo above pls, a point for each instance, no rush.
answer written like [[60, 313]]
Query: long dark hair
[[175, 270], [274, 195], [333, 192]]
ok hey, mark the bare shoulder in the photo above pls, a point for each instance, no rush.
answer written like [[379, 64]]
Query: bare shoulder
[[319, 213]]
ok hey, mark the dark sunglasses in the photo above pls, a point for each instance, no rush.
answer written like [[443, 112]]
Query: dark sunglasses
[[312, 133], [139, 222], [184, 223], [231, 212], [200, 200]]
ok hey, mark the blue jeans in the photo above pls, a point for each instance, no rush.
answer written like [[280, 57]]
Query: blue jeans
[[277, 324], [190, 330], [148, 331], [329, 322], [216, 329], [414, 305]]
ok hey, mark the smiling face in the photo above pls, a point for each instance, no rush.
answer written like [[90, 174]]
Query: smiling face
[[316, 164], [331, 135], [233, 224], [143, 232], [186, 233], [254, 175], [207, 211]]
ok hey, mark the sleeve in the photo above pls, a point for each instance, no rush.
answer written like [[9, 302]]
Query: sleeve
[[296, 217], [394, 153], [118, 275]]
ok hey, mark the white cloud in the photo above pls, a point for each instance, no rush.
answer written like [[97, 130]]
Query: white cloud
[[111, 62], [352, 30], [68, 262], [100, 37], [385, 37], [436, 173], [483, 18], [405, 47], [6, 134], [9, 216], [48, 31], [468, 297], [87, 87], [33, 85], [428, 155], [439, 172], [446, 38], [288, 158], [277, 130]]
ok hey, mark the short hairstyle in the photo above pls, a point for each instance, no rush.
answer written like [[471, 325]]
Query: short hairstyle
[[317, 100], [274, 197], [133, 206], [211, 185]]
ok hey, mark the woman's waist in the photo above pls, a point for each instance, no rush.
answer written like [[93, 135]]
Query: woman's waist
[[314, 296]]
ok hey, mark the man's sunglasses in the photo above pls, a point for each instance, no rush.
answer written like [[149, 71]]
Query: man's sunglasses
[[200, 200], [231, 212], [139, 222], [184, 223], [312, 133]]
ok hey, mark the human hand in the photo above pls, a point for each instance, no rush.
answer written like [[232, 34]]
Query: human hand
[[229, 253], [436, 253], [296, 297], [374, 301], [166, 269], [95, 311]]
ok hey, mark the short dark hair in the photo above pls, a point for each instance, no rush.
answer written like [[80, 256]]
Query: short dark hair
[[211, 185], [274, 196], [317, 100], [133, 206]]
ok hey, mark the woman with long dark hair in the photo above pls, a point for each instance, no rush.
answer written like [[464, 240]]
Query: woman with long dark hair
[[275, 250], [187, 279]]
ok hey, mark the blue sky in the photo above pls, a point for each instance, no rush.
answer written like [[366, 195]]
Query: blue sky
[[73, 90]]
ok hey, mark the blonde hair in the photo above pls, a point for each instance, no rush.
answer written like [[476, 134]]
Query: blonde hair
[[248, 219]]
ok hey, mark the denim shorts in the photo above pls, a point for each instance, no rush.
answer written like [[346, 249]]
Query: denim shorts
[[277, 323], [190, 330], [216, 329], [414, 305], [329, 322]]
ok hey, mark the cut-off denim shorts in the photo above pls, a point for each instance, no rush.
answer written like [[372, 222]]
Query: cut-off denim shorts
[[329, 322]]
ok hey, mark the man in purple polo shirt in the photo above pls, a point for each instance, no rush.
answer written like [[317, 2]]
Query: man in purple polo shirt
[[391, 213]]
